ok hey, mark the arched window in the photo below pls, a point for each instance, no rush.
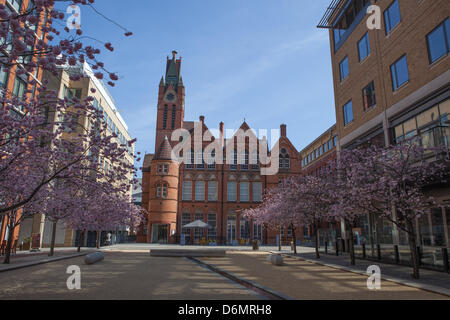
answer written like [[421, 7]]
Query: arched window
[[245, 160], [233, 160], [211, 160], [285, 162], [190, 159], [200, 161]]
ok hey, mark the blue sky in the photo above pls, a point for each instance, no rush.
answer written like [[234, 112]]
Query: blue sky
[[262, 60]]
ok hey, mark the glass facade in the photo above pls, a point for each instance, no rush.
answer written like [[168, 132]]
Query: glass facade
[[431, 125]]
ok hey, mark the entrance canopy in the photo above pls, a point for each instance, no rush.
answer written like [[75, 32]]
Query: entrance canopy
[[197, 224]]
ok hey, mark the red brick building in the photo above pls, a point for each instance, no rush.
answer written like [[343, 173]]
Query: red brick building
[[177, 193], [16, 85]]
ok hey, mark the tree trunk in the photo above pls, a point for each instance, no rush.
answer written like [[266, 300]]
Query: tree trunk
[[52, 243], [351, 247], [316, 232], [294, 240], [9, 243], [98, 238], [413, 250], [79, 240]]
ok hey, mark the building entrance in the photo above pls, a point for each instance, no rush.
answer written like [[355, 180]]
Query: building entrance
[[160, 233]]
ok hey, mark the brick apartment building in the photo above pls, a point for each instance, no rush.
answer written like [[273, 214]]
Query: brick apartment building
[[392, 84], [17, 85], [176, 194]]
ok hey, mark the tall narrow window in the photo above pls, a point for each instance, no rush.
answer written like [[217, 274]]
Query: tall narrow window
[[20, 86], [174, 113], [348, 113], [3, 78], [212, 190], [187, 190], [392, 16], [200, 162], [257, 191], [212, 222], [231, 191], [399, 72], [439, 41], [244, 192], [364, 47], [186, 219], [369, 96], [344, 69], [233, 160], [165, 118], [199, 191]]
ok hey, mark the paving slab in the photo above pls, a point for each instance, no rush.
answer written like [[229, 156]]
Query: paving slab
[[176, 252], [304, 280], [122, 276]]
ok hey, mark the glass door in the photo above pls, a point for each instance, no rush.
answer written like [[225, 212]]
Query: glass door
[[231, 229]]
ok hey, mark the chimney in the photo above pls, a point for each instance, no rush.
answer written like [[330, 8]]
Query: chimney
[[202, 119], [222, 136], [174, 55], [283, 130]]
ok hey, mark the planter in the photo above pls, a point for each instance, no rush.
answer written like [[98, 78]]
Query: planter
[[26, 246]]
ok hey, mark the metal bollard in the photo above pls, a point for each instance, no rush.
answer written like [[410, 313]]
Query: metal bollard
[[379, 251], [364, 250], [396, 254], [326, 247], [419, 255], [445, 258], [337, 248]]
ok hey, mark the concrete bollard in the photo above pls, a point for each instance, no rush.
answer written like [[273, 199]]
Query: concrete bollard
[[94, 257], [275, 259]]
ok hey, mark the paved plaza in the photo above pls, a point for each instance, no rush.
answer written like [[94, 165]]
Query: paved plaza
[[129, 272]]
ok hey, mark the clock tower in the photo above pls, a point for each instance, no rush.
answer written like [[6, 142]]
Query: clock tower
[[170, 102]]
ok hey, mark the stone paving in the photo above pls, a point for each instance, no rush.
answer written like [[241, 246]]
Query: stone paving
[[427, 277], [304, 280], [128, 272], [122, 276]]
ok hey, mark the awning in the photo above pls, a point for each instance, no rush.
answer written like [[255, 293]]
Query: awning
[[197, 224]]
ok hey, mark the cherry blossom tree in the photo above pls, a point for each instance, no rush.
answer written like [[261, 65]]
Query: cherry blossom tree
[[45, 138], [391, 183]]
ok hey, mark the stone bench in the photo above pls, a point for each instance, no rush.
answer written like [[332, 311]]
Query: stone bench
[[94, 257], [187, 252], [275, 259]]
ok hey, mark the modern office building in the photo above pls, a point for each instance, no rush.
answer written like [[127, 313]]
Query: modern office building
[[393, 83], [15, 84], [115, 124]]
